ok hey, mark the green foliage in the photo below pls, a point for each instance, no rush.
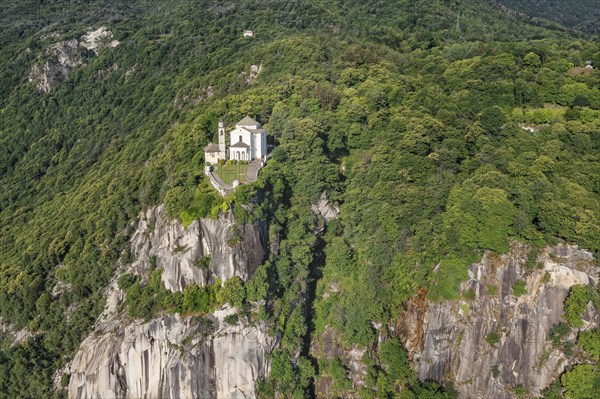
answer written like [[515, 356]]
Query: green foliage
[[495, 371], [469, 294], [400, 115], [452, 271], [589, 341], [149, 299], [338, 372], [198, 299], [395, 359], [233, 292], [492, 338], [581, 382], [492, 119], [258, 286], [575, 304], [554, 391], [127, 280], [520, 288], [480, 217], [520, 391], [580, 15], [202, 262], [232, 319], [558, 332], [531, 263], [306, 372], [431, 390]]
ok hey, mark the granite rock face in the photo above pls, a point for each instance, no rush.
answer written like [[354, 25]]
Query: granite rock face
[[200, 253], [172, 357], [60, 58], [447, 340]]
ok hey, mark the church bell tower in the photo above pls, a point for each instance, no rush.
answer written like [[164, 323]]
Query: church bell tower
[[222, 153]]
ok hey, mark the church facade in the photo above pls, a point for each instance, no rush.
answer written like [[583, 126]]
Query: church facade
[[247, 142]]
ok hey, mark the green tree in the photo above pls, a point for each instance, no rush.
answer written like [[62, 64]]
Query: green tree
[[581, 382], [233, 291], [397, 365], [492, 119], [532, 61], [575, 304], [589, 341]]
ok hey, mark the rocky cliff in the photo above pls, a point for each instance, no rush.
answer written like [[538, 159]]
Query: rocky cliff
[[450, 341], [173, 356], [200, 253]]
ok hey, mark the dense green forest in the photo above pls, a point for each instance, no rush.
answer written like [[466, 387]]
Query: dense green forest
[[409, 114], [582, 15]]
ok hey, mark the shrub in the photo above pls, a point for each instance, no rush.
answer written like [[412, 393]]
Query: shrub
[[558, 332], [394, 357], [469, 294], [520, 391], [492, 290], [203, 262], [519, 288], [547, 278], [232, 319], [127, 280], [492, 338], [495, 371], [575, 304], [339, 374], [531, 261], [198, 299]]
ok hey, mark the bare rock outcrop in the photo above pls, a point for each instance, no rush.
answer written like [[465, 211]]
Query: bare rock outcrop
[[60, 58], [200, 253], [98, 39], [326, 209], [172, 357], [252, 74], [449, 341]]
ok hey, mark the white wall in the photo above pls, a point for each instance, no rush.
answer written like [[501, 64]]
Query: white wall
[[257, 146], [257, 142], [234, 136], [212, 157]]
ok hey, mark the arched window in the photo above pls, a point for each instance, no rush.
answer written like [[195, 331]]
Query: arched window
[[243, 156], [240, 138], [237, 155]]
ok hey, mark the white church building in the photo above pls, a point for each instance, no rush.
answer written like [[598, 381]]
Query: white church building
[[248, 141]]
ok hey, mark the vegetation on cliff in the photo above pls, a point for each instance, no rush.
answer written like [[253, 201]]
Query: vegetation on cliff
[[409, 114]]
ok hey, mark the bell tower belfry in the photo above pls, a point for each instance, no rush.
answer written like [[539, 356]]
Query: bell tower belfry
[[222, 152]]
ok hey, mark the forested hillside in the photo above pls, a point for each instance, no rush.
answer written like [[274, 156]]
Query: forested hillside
[[582, 15], [408, 114]]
